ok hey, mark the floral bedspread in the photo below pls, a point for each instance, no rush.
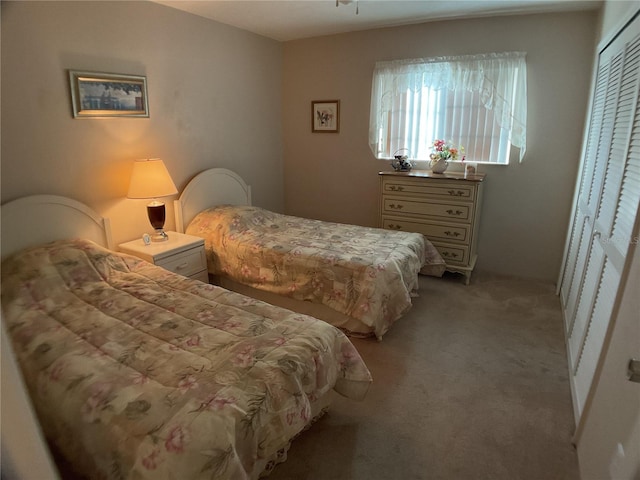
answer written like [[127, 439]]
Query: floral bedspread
[[136, 372], [366, 273]]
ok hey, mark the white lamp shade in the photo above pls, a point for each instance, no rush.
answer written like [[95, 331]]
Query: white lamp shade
[[150, 179]]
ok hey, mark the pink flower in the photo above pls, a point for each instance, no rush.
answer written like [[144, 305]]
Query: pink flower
[[188, 383], [56, 372], [217, 402], [193, 341], [97, 402], [335, 295], [291, 416], [150, 462], [177, 439], [230, 324], [206, 316], [139, 378], [244, 357], [304, 414]]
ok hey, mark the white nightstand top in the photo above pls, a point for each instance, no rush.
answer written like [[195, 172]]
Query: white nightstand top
[[178, 242]]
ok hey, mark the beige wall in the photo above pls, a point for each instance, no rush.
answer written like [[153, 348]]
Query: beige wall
[[214, 100], [526, 206]]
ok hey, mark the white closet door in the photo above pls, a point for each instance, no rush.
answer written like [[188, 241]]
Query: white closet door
[[582, 223], [606, 210]]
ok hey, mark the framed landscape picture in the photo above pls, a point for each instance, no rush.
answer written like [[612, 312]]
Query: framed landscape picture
[[325, 116], [108, 95]]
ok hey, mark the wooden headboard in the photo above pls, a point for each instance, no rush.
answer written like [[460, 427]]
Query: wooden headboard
[[40, 219], [216, 186]]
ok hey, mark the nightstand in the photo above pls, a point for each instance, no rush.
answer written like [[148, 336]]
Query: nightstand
[[182, 254]]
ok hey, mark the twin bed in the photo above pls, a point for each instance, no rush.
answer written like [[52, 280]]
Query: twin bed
[[356, 278], [137, 372]]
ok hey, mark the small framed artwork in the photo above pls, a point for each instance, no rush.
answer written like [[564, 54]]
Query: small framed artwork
[[470, 168], [108, 95], [325, 116]]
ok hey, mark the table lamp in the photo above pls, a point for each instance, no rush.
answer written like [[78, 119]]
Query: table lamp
[[150, 179]]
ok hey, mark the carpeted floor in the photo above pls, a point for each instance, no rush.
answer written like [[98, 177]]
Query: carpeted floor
[[471, 384]]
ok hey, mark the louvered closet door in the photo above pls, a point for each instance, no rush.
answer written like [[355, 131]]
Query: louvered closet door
[[606, 210]]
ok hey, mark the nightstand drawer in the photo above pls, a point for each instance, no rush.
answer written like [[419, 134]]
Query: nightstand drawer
[[203, 276], [186, 263], [434, 231]]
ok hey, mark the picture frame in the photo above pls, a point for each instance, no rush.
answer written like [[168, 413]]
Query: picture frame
[[97, 94], [325, 116], [470, 168]]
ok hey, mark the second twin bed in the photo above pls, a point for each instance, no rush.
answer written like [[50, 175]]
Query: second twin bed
[[357, 278]]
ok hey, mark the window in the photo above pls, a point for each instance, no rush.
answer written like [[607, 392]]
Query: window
[[477, 101]]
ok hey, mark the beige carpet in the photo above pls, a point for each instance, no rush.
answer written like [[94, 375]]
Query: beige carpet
[[471, 384]]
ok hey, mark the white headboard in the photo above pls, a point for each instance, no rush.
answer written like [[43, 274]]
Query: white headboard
[[216, 186], [40, 219]]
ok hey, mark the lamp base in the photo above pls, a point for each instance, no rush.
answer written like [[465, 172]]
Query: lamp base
[[159, 236], [156, 213]]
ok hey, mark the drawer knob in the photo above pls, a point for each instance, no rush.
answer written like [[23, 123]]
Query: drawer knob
[[455, 212], [394, 227], [396, 188], [456, 193], [393, 206], [449, 254], [182, 266], [449, 233]]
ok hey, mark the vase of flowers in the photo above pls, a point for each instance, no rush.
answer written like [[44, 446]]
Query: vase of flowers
[[443, 153]]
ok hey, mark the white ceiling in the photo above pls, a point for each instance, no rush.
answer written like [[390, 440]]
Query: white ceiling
[[285, 20]]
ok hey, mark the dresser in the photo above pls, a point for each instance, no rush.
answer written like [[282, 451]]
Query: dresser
[[445, 208], [183, 254]]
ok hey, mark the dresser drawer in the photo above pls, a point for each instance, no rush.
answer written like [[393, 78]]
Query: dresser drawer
[[440, 190], [186, 263], [453, 254], [414, 206], [449, 232]]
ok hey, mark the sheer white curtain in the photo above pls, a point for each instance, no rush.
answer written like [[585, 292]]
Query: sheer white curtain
[[471, 99]]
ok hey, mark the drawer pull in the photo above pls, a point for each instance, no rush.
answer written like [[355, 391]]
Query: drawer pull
[[449, 233], [393, 206], [394, 227], [455, 212], [182, 266], [396, 188], [456, 193], [449, 254]]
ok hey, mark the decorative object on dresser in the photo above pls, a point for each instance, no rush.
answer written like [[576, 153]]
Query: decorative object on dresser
[[401, 162], [182, 254], [445, 208], [443, 153], [150, 179]]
